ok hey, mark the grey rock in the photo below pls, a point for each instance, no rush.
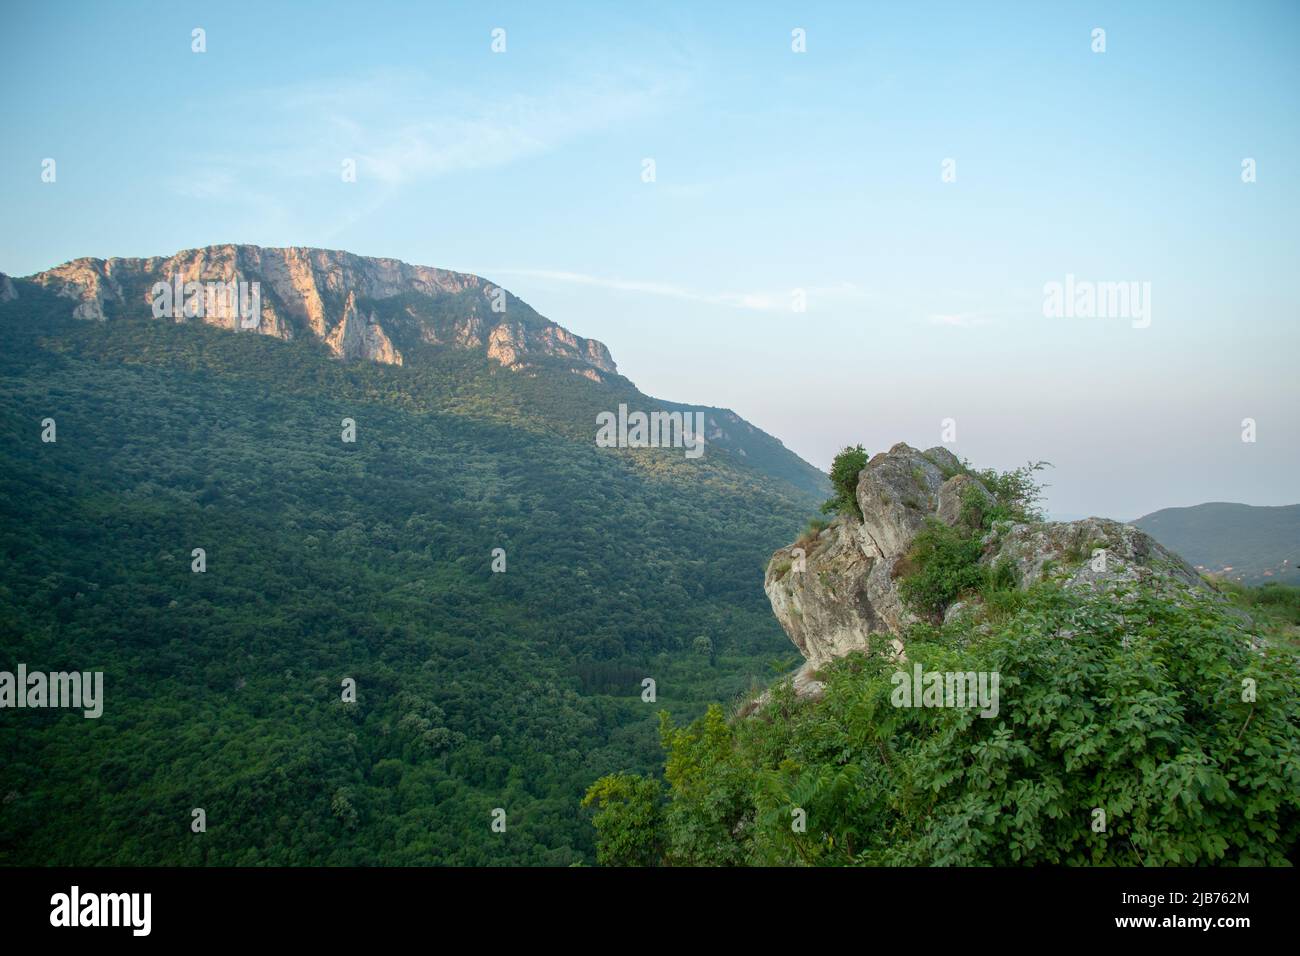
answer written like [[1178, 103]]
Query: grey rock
[[959, 609], [826, 607], [953, 493], [845, 598], [1092, 553], [897, 490], [948, 463]]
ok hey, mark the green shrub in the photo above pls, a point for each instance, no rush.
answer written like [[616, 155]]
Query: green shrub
[[1138, 713], [1277, 595], [1017, 493], [943, 562], [1002, 576], [815, 527], [844, 481], [1274, 605], [1016, 496], [627, 819], [977, 512]]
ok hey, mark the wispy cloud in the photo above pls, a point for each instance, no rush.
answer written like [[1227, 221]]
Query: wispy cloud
[[756, 301], [401, 127], [961, 320], [203, 184]]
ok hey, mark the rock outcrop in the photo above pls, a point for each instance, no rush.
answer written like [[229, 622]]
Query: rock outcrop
[[358, 338], [1092, 553], [837, 592], [363, 308]]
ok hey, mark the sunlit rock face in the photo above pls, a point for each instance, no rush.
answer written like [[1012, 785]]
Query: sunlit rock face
[[363, 309]]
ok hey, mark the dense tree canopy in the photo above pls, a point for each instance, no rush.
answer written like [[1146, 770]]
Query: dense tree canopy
[[328, 560], [1131, 730]]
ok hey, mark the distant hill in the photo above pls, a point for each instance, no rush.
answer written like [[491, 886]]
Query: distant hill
[[1244, 543]]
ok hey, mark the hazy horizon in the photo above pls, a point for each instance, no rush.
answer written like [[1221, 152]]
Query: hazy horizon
[[780, 178]]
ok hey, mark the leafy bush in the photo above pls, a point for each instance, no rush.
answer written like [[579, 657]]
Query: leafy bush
[[627, 819], [1017, 493], [1121, 738], [1283, 598], [1002, 576], [1274, 605], [943, 561], [946, 563], [815, 527], [844, 481]]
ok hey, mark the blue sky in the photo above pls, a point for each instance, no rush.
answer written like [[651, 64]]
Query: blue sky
[[774, 171]]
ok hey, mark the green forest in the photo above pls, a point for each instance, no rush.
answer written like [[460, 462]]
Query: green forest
[[1146, 724], [1123, 740], [500, 590], [371, 560]]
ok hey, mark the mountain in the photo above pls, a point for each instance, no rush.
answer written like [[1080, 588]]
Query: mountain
[[359, 306], [231, 527], [381, 310], [1245, 543]]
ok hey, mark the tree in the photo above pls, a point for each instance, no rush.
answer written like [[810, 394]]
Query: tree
[[1154, 734], [627, 819], [704, 647], [844, 480]]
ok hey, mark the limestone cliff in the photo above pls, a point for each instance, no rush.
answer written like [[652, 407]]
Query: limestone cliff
[[362, 308], [838, 592]]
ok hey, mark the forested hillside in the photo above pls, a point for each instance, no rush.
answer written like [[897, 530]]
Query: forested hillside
[[371, 560], [1138, 732], [1249, 544], [1088, 700]]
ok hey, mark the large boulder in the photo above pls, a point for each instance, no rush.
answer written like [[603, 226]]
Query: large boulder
[[819, 592], [832, 592], [897, 491], [1092, 553], [836, 592], [954, 494]]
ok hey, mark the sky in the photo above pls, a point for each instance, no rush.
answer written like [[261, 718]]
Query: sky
[[845, 244]]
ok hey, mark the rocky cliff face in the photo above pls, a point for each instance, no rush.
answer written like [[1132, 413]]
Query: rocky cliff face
[[838, 592], [362, 308]]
